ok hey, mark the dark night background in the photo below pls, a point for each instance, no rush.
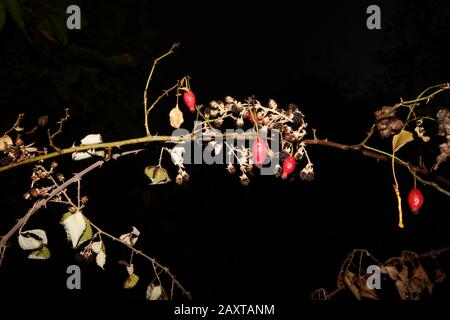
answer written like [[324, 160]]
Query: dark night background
[[272, 240]]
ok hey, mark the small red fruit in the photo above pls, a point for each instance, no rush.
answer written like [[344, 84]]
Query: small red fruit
[[288, 166], [189, 100], [259, 151], [415, 200]]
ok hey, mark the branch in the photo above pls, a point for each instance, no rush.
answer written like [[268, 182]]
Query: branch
[[133, 141], [154, 262], [43, 202], [380, 155]]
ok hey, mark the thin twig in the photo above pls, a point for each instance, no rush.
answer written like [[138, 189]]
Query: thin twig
[[16, 124], [154, 262], [51, 136], [175, 45]]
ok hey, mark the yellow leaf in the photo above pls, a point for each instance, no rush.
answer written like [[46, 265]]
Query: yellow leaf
[[157, 174], [131, 281], [400, 139]]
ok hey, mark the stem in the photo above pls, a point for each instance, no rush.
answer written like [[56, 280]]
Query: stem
[[154, 262]]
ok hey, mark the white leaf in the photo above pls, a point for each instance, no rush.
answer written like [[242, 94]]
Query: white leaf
[[98, 248], [77, 156], [75, 226], [177, 155], [32, 239], [82, 155], [91, 139], [100, 259], [153, 292], [130, 238], [130, 269]]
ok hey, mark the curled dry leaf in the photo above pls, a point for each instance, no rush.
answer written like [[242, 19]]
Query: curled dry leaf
[[99, 249], [176, 117], [400, 139], [5, 142], [32, 239], [153, 292], [130, 238], [157, 175]]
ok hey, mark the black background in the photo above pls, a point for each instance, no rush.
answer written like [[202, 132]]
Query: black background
[[274, 239]]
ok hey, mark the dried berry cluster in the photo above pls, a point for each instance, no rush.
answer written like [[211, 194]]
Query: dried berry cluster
[[16, 151], [387, 122], [265, 119]]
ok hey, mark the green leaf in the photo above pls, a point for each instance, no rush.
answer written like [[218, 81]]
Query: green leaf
[[157, 174], [15, 10], [131, 281], [65, 216], [41, 254], [60, 29], [87, 234], [2, 16], [400, 139]]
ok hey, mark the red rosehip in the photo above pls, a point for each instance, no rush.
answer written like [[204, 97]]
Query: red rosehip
[[259, 151], [189, 100], [415, 200], [288, 166]]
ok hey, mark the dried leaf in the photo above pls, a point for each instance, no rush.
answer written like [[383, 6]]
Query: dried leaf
[[421, 133], [32, 239], [176, 117], [130, 238], [392, 272], [131, 281], [348, 279], [400, 139], [402, 289], [153, 292], [41, 254], [5, 142], [157, 175], [75, 225], [98, 248]]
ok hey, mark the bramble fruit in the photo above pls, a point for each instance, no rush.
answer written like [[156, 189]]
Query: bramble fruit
[[415, 200], [259, 151], [288, 166], [189, 100]]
